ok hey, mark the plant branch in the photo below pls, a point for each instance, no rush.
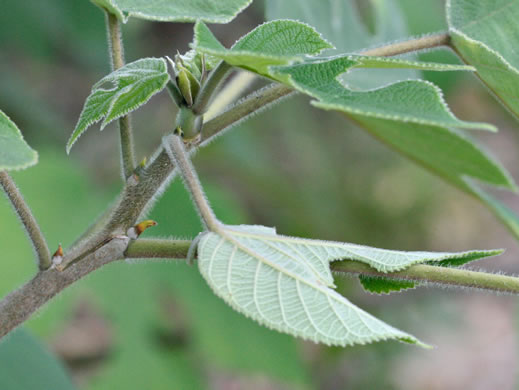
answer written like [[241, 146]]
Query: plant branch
[[28, 221], [174, 146], [117, 61], [209, 87], [17, 306], [411, 45], [445, 276]]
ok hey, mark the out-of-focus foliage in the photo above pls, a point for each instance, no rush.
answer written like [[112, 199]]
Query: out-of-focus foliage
[[26, 365]]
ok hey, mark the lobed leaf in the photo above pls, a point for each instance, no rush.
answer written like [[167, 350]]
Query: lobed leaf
[[485, 33], [285, 282], [133, 85], [15, 153], [211, 11]]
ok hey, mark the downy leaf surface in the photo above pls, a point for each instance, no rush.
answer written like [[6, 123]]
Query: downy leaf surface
[[131, 87], [211, 11], [285, 283]]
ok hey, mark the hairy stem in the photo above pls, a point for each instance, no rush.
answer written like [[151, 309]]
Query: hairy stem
[[174, 146], [17, 306], [209, 87], [411, 45], [28, 221], [444, 276], [117, 60]]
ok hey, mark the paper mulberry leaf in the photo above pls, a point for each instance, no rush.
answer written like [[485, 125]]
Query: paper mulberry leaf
[[285, 282], [131, 87], [14, 151]]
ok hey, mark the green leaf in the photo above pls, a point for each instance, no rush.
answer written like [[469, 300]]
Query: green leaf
[[274, 43], [285, 283], [378, 285], [26, 365], [133, 85], [485, 34], [14, 151], [211, 11], [410, 116], [340, 22]]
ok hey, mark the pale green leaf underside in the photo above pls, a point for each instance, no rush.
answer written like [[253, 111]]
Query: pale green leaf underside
[[285, 282], [14, 151], [485, 34], [132, 86], [211, 11]]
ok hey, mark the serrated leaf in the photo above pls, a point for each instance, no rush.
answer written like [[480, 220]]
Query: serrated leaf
[[378, 285], [284, 282], [133, 85], [211, 11], [340, 23], [485, 35], [410, 116], [15, 153], [273, 43]]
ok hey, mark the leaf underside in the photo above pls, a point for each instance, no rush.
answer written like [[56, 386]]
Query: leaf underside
[[131, 87], [285, 283], [15, 153]]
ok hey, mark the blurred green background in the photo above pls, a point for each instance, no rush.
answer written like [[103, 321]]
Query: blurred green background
[[310, 173]]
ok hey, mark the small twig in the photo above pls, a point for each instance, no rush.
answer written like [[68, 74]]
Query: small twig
[[411, 45], [174, 146], [116, 49], [456, 277], [28, 221], [209, 87], [444, 276]]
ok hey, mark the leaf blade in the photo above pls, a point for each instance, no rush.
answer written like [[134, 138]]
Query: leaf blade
[[284, 282], [133, 86], [15, 153], [211, 11]]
